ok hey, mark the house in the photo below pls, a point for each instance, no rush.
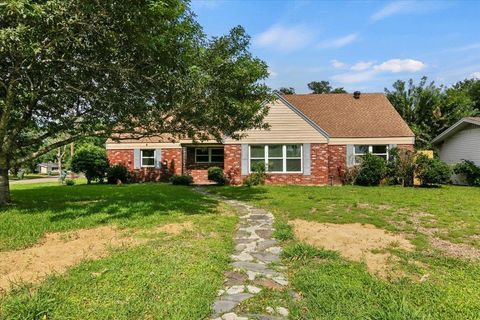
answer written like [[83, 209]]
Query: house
[[47, 168], [460, 142], [312, 139]]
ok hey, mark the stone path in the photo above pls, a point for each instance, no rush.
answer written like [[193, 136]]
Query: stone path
[[252, 269]]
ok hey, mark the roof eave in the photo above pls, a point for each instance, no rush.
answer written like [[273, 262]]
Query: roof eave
[[451, 130]]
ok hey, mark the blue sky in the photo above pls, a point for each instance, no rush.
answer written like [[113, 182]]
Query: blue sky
[[358, 45]]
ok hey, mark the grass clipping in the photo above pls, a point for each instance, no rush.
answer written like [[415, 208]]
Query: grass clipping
[[355, 241], [58, 251]]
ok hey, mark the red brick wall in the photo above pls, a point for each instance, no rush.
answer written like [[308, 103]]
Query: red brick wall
[[405, 146], [337, 162], [125, 157], [233, 163]]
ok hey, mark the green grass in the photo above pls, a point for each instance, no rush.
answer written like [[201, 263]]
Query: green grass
[[334, 288], [168, 277], [30, 176]]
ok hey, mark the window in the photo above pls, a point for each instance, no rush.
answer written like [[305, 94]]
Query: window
[[207, 155], [148, 158], [377, 150], [277, 157]]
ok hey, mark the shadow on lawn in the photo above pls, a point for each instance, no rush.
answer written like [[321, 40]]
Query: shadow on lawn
[[118, 202], [241, 193]]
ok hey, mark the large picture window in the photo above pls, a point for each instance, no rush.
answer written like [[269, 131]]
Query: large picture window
[[148, 158], [377, 150], [209, 155], [277, 157]]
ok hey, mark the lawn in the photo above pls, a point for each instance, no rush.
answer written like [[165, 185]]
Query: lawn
[[164, 276], [431, 283]]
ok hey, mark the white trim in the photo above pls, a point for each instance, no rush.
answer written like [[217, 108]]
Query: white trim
[[284, 157], [370, 150], [445, 134], [209, 155], [140, 145], [390, 140], [154, 157]]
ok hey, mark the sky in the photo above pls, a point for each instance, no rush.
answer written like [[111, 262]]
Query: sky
[[358, 45]]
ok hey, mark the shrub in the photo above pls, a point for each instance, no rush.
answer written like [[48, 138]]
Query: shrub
[[92, 161], [69, 182], [401, 167], [216, 174], [432, 171], [184, 180], [258, 176], [372, 170], [350, 175], [470, 171], [118, 173]]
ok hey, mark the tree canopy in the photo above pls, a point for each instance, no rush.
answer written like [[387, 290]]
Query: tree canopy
[[430, 109], [75, 68], [319, 87], [287, 90]]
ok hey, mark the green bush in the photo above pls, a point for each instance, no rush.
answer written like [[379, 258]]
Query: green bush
[[372, 170], [69, 182], [118, 173], [401, 167], [470, 171], [216, 174], [92, 161], [183, 180], [258, 176], [432, 171], [349, 176]]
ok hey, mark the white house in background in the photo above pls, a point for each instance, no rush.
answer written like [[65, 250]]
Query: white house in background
[[47, 168], [460, 142]]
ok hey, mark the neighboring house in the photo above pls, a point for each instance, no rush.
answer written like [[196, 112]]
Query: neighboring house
[[47, 168], [460, 142], [312, 139]]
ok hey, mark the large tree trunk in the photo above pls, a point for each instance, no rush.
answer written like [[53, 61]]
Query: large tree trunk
[[4, 186]]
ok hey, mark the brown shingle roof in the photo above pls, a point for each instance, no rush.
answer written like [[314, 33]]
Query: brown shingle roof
[[343, 116]]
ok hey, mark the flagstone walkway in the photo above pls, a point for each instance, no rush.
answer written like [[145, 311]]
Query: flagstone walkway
[[255, 265]]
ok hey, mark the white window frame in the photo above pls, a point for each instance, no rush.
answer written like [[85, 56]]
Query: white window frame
[[283, 157], [154, 158], [370, 150], [209, 155]]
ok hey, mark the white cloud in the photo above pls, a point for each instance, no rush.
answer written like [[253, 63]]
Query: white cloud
[[362, 65], [475, 75], [392, 9], [338, 42], [271, 73], [338, 64], [284, 38], [368, 70], [399, 65]]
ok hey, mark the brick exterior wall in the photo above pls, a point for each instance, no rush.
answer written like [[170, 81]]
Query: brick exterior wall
[[337, 163], [405, 146], [199, 171], [232, 165]]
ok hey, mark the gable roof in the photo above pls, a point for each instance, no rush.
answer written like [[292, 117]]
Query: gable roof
[[459, 125], [340, 115]]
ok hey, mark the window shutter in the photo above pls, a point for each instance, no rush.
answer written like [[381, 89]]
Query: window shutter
[[244, 159], [350, 155], [158, 158], [307, 159], [136, 158]]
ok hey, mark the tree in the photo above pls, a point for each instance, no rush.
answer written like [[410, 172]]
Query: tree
[[285, 90], [92, 161], [429, 109], [76, 68], [319, 87]]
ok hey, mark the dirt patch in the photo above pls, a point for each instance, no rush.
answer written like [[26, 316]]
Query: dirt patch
[[175, 228], [56, 252], [357, 242]]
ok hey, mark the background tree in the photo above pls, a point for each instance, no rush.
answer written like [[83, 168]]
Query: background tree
[[285, 90], [76, 68], [430, 109], [323, 86]]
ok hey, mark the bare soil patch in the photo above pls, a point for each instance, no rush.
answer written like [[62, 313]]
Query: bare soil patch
[[356, 242], [56, 252]]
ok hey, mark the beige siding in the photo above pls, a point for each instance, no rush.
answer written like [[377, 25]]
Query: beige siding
[[390, 140], [285, 127], [465, 144]]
